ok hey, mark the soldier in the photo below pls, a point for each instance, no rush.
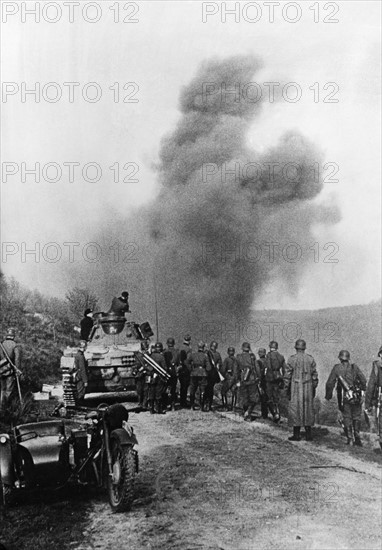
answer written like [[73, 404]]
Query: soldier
[[249, 375], [301, 380], [183, 370], [374, 392], [348, 376], [120, 305], [141, 379], [86, 324], [80, 366], [215, 363], [171, 357], [157, 387], [274, 378], [263, 397], [10, 359], [197, 364], [229, 370]]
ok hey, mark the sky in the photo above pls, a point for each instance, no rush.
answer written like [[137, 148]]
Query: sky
[[158, 55]]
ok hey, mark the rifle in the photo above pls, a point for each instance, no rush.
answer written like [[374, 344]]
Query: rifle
[[378, 410], [352, 393], [221, 377], [16, 371], [145, 358]]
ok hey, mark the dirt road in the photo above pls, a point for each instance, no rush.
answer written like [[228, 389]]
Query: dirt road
[[211, 481]]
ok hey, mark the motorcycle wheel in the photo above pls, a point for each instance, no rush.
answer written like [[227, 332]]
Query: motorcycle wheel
[[121, 484]]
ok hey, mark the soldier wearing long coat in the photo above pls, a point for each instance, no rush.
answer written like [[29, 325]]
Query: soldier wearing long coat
[[301, 380]]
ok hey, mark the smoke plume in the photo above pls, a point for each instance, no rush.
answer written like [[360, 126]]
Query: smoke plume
[[221, 203], [218, 233]]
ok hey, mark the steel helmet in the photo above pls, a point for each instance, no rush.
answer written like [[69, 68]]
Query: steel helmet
[[300, 344], [201, 345], [273, 345], [214, 345], [171, 342], [245, 346], [262, 352], [187, 339], [344, 355], [231, 349], [159, 346], [11, 333]]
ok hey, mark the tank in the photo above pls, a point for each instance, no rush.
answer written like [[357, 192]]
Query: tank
[[110, 358]]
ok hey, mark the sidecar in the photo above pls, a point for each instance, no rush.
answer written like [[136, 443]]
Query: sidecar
[[33, 455]]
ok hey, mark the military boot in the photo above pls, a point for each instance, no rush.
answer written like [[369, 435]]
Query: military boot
[[356, 429], [202, 403], [233, 407], [308, 433], [224, 402], [161, 410], [151, 407], [348, 434], [296, 434]]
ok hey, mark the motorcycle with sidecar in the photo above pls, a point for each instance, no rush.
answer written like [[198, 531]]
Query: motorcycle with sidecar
[[99, 451]]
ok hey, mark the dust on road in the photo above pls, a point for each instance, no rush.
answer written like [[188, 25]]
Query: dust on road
[[210, 483]]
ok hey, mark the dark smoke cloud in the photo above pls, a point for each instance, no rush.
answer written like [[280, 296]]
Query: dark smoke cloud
[[203, 229], [198, 238]]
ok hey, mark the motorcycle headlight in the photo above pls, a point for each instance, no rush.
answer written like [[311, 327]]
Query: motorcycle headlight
[[3, 439]]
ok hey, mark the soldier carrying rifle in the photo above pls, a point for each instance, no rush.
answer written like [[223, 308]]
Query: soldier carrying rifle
[[10, 363], [350, 384], [374, 393]]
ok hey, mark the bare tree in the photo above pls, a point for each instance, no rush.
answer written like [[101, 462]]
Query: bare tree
[[80, 299]]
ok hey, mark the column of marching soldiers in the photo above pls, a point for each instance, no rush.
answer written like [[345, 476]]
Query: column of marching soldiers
[[246, 381]]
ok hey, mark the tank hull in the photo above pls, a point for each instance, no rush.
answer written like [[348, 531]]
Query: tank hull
[[110, 361]]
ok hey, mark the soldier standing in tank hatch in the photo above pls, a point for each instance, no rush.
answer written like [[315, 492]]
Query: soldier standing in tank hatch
[[86, 324], [171, 357], [183, 370], [120, 305], [348, 376], [301, 380], [197, 363], [230, 372], [274, 378], [374, 392], [10, 360]]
